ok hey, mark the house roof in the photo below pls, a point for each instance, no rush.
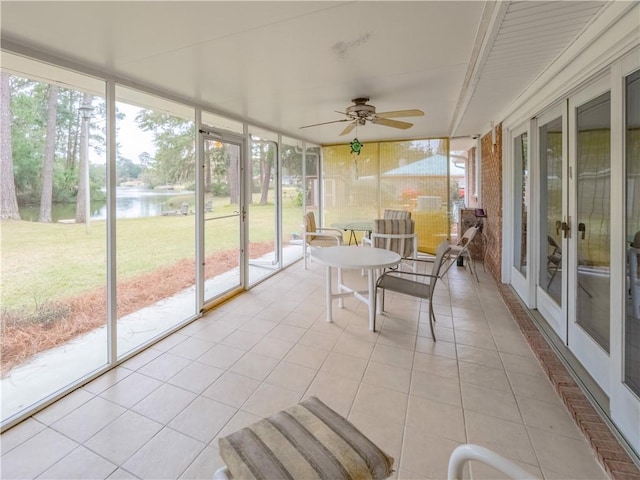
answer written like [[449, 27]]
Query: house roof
[[432, 166]]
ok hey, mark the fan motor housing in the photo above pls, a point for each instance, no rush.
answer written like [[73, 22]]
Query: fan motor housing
[[361, 110]]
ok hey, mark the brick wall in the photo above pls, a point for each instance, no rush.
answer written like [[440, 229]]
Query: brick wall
[[491, 189]]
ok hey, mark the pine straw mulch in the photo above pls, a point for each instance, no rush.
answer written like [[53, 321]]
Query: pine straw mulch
[[63, 321]]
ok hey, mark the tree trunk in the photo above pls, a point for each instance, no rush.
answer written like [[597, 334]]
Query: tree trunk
[[8, 200], [71, 138], [234, 177], [84, 185], [265, 178], [265, 173], [46, 197]]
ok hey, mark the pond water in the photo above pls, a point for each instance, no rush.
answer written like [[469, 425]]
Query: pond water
[[130, 203]]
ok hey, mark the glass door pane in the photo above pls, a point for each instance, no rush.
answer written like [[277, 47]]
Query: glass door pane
[[263, 255], [155, 217], [591, 229], [521, 202], [222, 218], [551, 215], [632, 307]]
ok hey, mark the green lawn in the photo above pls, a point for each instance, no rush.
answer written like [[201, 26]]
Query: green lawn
[[43, 262]]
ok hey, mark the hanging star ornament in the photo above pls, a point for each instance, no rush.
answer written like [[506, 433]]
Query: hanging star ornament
[[356, 146]]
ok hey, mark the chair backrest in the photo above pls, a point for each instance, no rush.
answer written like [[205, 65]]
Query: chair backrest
[[463, 245], [397, 235], [441, 253], [396, 214], [468, 236], [553, 244], [309, 224]]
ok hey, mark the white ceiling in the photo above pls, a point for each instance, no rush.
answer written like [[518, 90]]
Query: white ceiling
[[287, 64]]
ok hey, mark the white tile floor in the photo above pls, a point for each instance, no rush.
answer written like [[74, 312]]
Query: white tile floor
[[159, 415]]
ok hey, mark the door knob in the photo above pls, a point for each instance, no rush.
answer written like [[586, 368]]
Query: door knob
[[582, 228], [558, 227], [564, 226]]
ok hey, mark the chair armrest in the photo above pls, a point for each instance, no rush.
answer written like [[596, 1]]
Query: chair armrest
[[398, 273], [423, 260], [323, 234], [464, 453], [327, 229]]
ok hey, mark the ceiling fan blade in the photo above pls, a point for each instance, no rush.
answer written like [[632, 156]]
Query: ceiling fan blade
[[348, 129], [401, 113], [326, 123], [391, 123]]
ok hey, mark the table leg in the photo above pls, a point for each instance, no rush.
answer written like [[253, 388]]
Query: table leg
[[329, 300], [340, 299], [372, 299], [375, 280]]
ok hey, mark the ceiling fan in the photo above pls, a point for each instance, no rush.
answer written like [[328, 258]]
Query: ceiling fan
[[360, 113]]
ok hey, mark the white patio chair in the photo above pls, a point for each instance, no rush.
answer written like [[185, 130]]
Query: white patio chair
[[397, 235], [461, 250], [418, 284], [313, 236], [464, 453]]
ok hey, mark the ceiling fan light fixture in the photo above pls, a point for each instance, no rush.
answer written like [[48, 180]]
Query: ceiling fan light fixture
[[361, 112]]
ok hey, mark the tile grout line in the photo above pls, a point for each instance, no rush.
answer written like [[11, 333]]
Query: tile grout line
[[610, 454]]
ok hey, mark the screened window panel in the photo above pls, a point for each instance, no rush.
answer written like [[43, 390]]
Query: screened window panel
[[399, 175]]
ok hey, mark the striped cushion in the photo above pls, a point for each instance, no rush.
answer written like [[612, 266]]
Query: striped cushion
[[310, 225], [395, 227], [397, 214], [305, 441]]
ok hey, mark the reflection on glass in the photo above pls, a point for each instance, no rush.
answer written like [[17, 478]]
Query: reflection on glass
[[53, 255], [551, 183], [291, 200], [404, 175], [263, 254], [632, 307], [592, 225], [521, 172], [156, 239]]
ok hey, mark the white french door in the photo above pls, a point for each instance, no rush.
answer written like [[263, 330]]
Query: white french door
[[587, 221], [588, 229], [222, 272], [520, 264], [573, 146], [552, 154], [586, 151]]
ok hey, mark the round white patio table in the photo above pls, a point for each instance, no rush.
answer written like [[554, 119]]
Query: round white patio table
[[370, 259]]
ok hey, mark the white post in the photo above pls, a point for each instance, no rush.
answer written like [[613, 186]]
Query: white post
[[86, 110]]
